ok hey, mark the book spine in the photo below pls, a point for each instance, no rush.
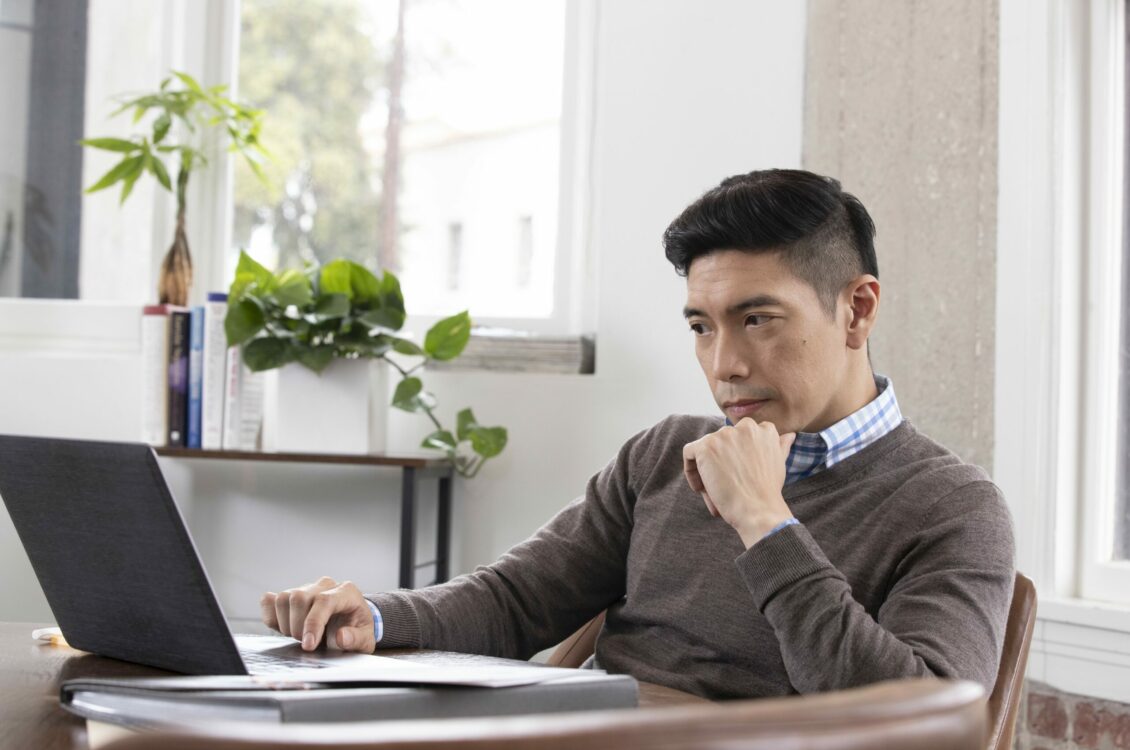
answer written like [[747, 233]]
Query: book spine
[[215, 363], [178, 377], [195, 375], [233, 369], [155, 381], [250, 409]]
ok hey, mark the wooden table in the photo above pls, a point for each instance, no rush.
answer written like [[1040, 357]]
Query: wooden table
[[30, 676], [413, 468]]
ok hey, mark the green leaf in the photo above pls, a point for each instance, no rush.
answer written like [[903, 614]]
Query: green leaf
[[316, 358], [249, 272], [131, 177], [266, 354], [440, 440], [161, 127], [382, 318], [243, 320], [336, 278], [407, 395], [392, 300], [157, 167], [404, 346], [191, 83], [119, 172], [464, 423], [447, 338], [331, 306], [488, 442], [109, 144], [292, 288], [365, 285]]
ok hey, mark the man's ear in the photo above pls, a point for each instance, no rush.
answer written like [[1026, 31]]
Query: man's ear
[[861, 298]]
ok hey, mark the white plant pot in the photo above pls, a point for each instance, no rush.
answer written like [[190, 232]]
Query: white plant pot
[[342, 410]]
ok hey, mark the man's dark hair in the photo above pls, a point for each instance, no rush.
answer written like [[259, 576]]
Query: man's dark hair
[[824, 235]]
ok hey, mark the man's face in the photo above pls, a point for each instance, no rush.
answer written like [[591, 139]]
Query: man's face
[[767, 345]]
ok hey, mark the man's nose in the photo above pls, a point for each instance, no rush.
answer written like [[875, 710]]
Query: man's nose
[[731, 361]]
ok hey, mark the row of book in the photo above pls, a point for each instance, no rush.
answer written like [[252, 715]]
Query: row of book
[[506, 350], [196, 391]]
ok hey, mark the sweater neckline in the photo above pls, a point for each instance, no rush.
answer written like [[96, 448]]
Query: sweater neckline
[[851, 465]]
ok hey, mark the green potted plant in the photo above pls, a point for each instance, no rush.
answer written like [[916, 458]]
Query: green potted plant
[[339, 312], [163, 148]]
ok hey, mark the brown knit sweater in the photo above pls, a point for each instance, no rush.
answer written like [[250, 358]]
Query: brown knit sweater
[[902, 566]]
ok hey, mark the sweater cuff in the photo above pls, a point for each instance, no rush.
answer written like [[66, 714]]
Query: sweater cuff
[[778, 561], [401, 625]]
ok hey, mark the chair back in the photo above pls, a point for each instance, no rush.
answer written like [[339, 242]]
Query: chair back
[[925, 714], [1004, 702], [574, 650]]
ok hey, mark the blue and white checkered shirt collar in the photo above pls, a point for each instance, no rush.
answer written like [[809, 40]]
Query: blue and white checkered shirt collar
[[815, 451]]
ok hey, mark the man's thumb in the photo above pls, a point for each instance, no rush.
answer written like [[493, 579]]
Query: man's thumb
[[356, 639], [787, 440]]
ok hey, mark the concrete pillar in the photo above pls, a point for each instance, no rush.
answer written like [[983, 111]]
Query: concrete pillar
[[901, 106]]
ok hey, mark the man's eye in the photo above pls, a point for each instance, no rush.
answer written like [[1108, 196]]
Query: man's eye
[[757, 320], [698, 329]]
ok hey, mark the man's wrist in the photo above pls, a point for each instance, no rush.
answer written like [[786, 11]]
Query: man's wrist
[[764, 525], [378, 622]]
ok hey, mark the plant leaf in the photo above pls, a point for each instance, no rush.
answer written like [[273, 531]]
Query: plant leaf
[[157, 167], [382, 318], [447, 338], [247, 272], [440, 440], [316, 358], [109, 144], [488, 442], [365, 285], [407, 395], [336, 278], [243, 320], [292, 288], [404, 346], [464, 423], [331, 306], [161, 127], [118, 172], [131, 176], [266, 354], [392, 300], [191, 83]]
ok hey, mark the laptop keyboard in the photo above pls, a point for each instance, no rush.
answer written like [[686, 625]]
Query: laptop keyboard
[[260, 663]]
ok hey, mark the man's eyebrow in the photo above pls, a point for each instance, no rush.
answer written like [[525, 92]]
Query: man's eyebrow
[[761, 300]]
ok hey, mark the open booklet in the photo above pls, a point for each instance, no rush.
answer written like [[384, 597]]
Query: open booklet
[[390, 689]]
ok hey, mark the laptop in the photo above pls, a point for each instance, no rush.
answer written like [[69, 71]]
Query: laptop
[[118, 567]]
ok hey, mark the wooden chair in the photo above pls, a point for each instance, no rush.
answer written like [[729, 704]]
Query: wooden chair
[[1003, 702], [923, 714]]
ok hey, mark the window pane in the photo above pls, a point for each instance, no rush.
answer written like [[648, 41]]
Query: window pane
[[423, 156]]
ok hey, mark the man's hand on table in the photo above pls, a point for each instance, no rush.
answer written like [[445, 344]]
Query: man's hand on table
[[739, 471], [324, 608]]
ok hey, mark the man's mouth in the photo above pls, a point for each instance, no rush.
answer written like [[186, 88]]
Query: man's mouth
[[738, 410]]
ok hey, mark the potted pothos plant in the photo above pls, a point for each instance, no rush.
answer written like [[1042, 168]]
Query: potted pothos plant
[[173, 143], [342, 310]]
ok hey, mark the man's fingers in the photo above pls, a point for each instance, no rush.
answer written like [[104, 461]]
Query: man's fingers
[[709, 504], [326, 604], [267, 610], [282, 612], [787, 441], [356, 639]]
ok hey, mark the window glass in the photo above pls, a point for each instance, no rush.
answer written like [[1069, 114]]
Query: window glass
[[416, 135]]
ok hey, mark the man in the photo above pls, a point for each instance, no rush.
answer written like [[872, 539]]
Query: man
[[813, 540]]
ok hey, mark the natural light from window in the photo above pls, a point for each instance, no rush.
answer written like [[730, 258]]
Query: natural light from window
[[459, 196]]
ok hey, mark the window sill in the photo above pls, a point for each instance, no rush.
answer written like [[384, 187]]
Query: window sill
[[1082, 647], [499, 350]]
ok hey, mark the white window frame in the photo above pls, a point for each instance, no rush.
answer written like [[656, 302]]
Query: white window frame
[[1058, 261], [573, 289]]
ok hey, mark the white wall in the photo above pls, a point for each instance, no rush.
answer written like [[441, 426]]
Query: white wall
[[686, 93]]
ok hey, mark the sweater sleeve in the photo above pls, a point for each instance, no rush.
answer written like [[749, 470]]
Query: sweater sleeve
[[944, 615], [537, 593]]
